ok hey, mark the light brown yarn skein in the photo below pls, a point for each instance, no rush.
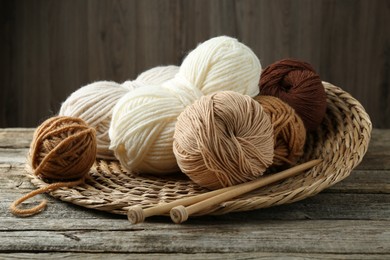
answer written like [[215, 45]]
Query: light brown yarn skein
[[289, 130], [223, 139], [63, 149]]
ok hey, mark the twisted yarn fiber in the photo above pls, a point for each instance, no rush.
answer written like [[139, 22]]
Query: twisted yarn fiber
[[156, 75], [62, 149], [94, 103], [143, 121], [289, 130], [297, 84], [223, 139]]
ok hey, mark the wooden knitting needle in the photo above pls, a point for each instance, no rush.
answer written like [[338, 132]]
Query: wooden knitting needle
[[181, 213], [136, 214]]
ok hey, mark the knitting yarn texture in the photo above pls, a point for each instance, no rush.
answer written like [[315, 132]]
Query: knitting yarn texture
[[156, 75], [63, 148], [297, 84], [289, 130], [143, 121], [224, 139], [94, 103]]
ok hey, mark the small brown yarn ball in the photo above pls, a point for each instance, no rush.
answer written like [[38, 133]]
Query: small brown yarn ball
[[289, 130], [297, 84], [63, 148], [223, 139]]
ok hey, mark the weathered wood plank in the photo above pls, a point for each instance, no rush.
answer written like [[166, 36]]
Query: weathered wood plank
[[60, 215], [376, 158], [14, 145], [323, 236], [16, 137], [363, 195], [364, 181], [339, 203], [195, 256], [378, 153], [360, 181], [52, 48], [13, 157], [349, 219]]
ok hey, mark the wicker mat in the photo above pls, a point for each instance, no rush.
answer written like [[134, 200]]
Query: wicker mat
[[341, 142]]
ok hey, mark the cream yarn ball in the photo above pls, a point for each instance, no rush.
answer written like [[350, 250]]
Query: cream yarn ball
[[143, 121], [222, 63], [158, 75], [94, 102]]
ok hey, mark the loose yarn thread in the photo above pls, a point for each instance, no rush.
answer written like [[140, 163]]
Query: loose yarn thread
[[223, 139], [289, 130], [94, 102], [143, 121], [297, 84], [63, 149]]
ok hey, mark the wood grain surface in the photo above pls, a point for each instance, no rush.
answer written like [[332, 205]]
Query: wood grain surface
[[48, 48], [350, 220]]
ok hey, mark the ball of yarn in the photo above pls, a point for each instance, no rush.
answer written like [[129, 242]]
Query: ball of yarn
[[297, 84], [289, 130], [221, 63], [142, 127], [63, 148], [94, 103], [158, 75], [223, 139]]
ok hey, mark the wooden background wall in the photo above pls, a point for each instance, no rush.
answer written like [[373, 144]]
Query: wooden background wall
[[49, 48]]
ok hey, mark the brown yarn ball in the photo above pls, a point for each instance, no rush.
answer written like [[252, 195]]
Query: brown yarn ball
[[223, 139], [297, 84], [63, 148], [289, 130]]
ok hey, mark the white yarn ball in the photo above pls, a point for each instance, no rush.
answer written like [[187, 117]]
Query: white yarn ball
[[222, 63], [141, 129], [158, 75], [143, 122], [94, 103]]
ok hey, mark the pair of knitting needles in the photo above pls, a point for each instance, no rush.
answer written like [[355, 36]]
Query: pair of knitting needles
[[181, 209]]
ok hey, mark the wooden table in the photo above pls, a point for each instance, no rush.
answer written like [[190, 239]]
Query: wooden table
[[350, 220]]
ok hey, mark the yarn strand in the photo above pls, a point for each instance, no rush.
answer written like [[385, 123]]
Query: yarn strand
[[63, 149], [34, 210]]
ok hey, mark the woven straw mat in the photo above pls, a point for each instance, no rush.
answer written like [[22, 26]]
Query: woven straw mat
[[341, 141]]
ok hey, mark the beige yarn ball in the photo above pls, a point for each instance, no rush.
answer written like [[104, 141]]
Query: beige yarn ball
[[223, 139], [142, 127], [94, 103], [289, 131]]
